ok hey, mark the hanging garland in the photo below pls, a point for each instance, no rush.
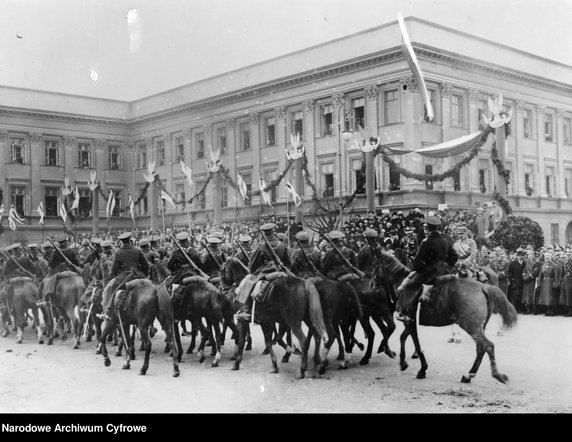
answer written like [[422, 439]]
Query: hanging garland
[[499, 165], [503, 202]]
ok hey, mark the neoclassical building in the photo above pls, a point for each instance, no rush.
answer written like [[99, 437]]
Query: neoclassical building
[[249, 114]]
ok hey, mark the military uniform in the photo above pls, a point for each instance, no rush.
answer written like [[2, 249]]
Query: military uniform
[[245, 242], [178, 265], [367, 254], [305, 266], [213, 258], [334, 265]]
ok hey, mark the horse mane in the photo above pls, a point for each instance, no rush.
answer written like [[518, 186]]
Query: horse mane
[[395, 266]]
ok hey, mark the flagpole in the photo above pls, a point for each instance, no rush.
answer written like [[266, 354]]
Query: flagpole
[[163, 215], [287, 217]]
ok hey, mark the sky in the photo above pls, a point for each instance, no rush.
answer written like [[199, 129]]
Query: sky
[[129, 49]]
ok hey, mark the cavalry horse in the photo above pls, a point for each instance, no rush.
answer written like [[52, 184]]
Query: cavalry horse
[[145, 302], [22, 295], [290, 301], [464, 301], [199, 299]]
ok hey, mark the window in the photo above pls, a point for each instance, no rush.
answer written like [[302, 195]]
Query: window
[[160, 153], [527, 123], [429, 171], [141, 208], [224, 194], [180, 145], [358, 113], [180, 195], [327, 180], [17, 150], [270, 131], [118, 203], [200, 144], [568, 182], [432, 100], [247, 178], [141, 156], [200, 202], [114, 157], [221, 139], [298, 124], [549, 177], [394, 178], [84, 155], [51, 153], [457, 110], [548, 127], [269, 176], [529, 179], [84, 208], [244, 129], [359, 176], [482, 109], [326, 120], [554, 236], [18, 194], [391, 106], [51, 200], [566, 128], [484, 176]]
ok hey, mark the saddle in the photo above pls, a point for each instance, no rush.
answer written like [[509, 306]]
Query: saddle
[[121, 299], [435, 311]]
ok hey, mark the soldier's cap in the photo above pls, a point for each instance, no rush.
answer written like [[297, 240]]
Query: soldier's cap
[[303, 236], [336, 234], [125, 235], [371, 233], [33, 245], [181, 236], [96, 241], [213, 240], [433, 221], [85, 242], [154, 238], [47, 244], [461, 229], [281, 236], [245, 238], [408, 230], [143, 242], [217, 234], [61, 239], [106, 243], [268, 227], [13, 246]]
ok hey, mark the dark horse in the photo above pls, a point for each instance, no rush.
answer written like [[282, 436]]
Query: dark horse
[[145, 303], [22, 296], [289, 301], [464, 301]]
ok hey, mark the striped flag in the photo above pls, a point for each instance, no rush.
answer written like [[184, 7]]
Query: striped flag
[[132, 208], [188, 173], [63, 212], [1, 211], [13, 214], [110, 204], [264, 194], [41, 212], [290, 189], [241, 186], [165, 196], [75, 203], [414, 65]]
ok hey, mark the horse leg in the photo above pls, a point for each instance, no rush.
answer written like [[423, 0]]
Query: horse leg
[[177, 336], [193, 343], [348, 341], [36, 324], [76, 322], [333, 335], [402, 340], [282, 330], [478, 359], [243, 330], [20, 323], [413, 331], [296, 330], [370, 334], [108, 327], [146, 340], [268, 331], [204, 337], [386, 331], [219, 342], [488, 347], [248, 341]]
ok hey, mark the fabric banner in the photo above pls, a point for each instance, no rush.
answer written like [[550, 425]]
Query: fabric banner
[[451, 148]]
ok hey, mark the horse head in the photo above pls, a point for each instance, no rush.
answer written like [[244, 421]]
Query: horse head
[[233, 271], [389, 268]]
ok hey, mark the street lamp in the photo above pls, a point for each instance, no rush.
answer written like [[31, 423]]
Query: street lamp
[[346, 135]]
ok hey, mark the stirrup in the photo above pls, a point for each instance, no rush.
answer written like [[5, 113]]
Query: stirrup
[[41, 303], [103, 316], [403, 317]]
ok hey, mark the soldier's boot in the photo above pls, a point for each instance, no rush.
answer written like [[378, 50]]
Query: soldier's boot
[[426, 294], [244, 312]]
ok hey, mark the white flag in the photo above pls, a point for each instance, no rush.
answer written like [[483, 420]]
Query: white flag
[[241, 186], [92, 184], [12, 223], [264, 194], [41, 213], [63, 212], [168, 198], [14, 215], [1, 211], [188, 173], [132, 208], [110, 204], [75, 203], [291, 191]]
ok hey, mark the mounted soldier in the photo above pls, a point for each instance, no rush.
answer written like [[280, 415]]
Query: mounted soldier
[[213, 258], [245, 252], [178, 264], [101, 273], [466, 249], [365, 256], [306, 258], [265, 265], [334, 264], [61, 259], [95, 251], [410, 244], [129, 263], [436, 257]]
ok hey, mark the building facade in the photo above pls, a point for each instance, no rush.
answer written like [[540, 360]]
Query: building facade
[[50, 140]]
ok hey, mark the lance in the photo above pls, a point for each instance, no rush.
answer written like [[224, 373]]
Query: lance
[[346, 261], [7, 255], [309, 261], [76, 268], [191, 262], [211, 253], [275, 257]]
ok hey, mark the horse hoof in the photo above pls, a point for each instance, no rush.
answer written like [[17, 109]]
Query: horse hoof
[[214, 364], [275, 370], [248, 347], [201, 360], [41, 341], [465, 380], [381, 349], [64, 338], [340, 358], [420, 375], [118, 353], [176, 373], [414, 356], [107, 362], [232, 358], [50, 341], [88, 339], [364, 361], [126, 367], [265, 351], [403, 366], [390, 353], [141, 372], [76, 346], [300, 376], [285, 359], [235, 367], [503, 378]]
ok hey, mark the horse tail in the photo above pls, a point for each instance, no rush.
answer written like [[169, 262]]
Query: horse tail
[[316, 316], [501, 305]]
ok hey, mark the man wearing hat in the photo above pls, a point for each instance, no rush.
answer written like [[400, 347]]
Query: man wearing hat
[[246, 246], [367, 253], [516, 269], [466, 249], [436, 257], [84, 251], [178, 265], [95, 251], [262, 264], [410, 244], [305, 266], [334, 265], [100, 274], [129, 263], [154, 245], [212, 257], [17, 259], [145, 246]]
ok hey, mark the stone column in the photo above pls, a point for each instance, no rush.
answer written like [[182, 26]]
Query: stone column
[[3, 150], [152, 202], [519, 135], [561, 175], [446, 90], [36, 155], [339, 118], [308, 147], [371, 103], [540, 190], [99, 159], [281, 132], [255, 146]]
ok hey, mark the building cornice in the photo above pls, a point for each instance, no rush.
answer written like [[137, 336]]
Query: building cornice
[[71, 118]]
